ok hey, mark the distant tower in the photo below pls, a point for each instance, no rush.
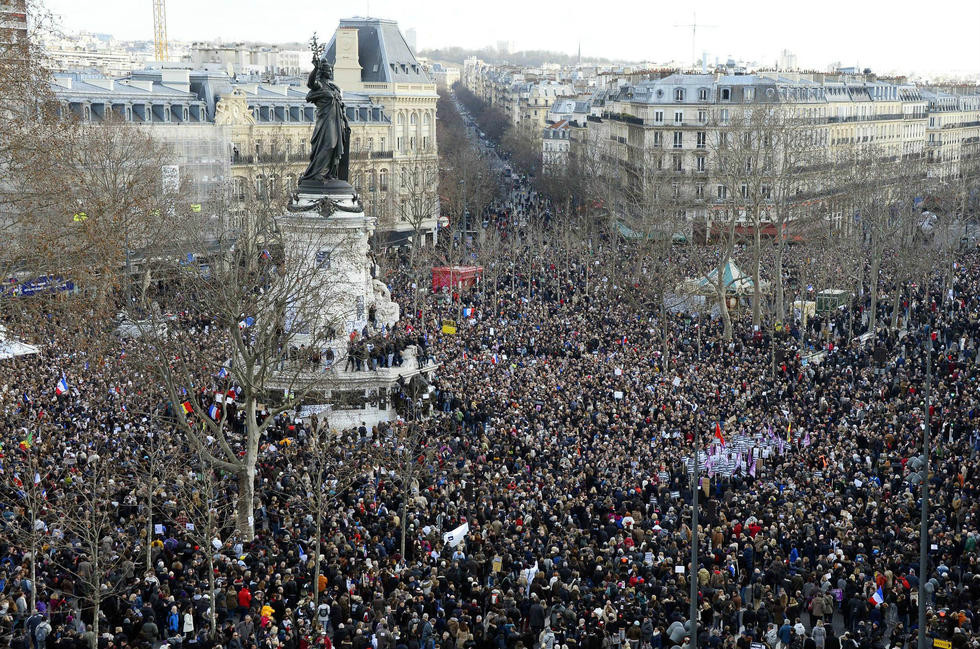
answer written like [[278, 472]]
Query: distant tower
[[412, 37], [580, 52], [160, 49]]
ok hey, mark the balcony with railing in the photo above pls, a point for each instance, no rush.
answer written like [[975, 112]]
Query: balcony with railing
[[268, 158]]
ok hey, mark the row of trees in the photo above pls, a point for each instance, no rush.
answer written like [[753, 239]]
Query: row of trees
[[857, 208]]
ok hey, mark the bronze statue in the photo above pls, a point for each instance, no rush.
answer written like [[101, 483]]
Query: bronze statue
[[330, 152]]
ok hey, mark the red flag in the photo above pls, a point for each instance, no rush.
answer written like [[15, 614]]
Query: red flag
[[187, 407], [718, 435]]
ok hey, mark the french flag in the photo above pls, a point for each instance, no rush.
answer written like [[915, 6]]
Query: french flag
[[494, 359], [62, 387], [214, 411], [877, 598], [222, 373], [467, 312]]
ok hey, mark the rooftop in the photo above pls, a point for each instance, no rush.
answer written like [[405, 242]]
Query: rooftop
[[382, 51]]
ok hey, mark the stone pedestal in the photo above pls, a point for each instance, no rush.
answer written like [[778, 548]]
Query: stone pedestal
[[333, 238]]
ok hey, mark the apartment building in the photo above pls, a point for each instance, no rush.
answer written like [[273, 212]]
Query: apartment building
[[671, 128], [952, 133]]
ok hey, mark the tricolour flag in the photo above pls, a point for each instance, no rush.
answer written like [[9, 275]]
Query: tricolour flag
[[718, 435], [62, 386], [188, 409], [214, 411], [494, 359], [877, 598], [222, 373]]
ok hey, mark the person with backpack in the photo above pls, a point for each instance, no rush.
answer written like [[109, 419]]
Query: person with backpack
[[41, 633]]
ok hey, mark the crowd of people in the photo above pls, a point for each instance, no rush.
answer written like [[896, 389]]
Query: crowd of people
[[550, 504]]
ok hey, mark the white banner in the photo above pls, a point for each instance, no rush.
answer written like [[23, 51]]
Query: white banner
[[456, 537]]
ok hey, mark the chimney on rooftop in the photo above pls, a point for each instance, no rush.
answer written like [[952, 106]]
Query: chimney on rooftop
[[347, 67]]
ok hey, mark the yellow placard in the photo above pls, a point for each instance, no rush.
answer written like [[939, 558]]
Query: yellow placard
[[942, 644], [79, 217], [195, 207], [448, 326]]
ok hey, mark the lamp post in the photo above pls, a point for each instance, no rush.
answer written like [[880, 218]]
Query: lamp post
[[924, 493], [693, 614]]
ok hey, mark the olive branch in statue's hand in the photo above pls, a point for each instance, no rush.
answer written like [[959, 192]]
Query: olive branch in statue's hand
[[317, 48]]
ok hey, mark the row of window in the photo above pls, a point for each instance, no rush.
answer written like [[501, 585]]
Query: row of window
[[721, 191], [658, 139], [270, 186]]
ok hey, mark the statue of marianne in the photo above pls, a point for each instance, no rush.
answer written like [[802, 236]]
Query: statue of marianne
[[329, 154]]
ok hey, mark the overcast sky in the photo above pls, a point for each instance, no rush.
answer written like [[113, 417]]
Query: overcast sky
[[897, 35]]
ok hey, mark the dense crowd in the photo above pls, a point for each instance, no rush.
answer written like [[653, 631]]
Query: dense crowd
[[562, 435]]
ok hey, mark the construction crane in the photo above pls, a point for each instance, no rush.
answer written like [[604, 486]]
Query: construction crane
[[694, 32], [160, 48]]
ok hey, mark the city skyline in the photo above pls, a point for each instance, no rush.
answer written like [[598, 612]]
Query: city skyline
[[867, 38]]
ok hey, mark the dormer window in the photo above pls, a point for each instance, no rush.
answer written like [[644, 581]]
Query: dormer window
[[726, 94], [678, 94], [702, 94]]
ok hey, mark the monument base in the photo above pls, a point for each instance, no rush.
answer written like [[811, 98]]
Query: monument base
[[328, 187], [326, 229]]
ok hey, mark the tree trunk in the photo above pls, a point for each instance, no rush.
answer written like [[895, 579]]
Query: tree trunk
[[780, 297], [873, 279], [318, 530], [404, 520], [246, 495], [212, 614], [896, 305], [246, 476], [33, 565], [726, 317], [96, 581], [149, 526], [756, 277]]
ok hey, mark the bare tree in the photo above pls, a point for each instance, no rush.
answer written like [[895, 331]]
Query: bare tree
[[210, 515], [89, 545], [24, 493], [270, 307]]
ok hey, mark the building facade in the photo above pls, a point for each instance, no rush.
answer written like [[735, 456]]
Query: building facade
[[952, 133], [673, 129], [555, 147], [263, 129]]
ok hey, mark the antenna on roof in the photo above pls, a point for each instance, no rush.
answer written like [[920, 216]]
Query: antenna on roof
[[694, 32]]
